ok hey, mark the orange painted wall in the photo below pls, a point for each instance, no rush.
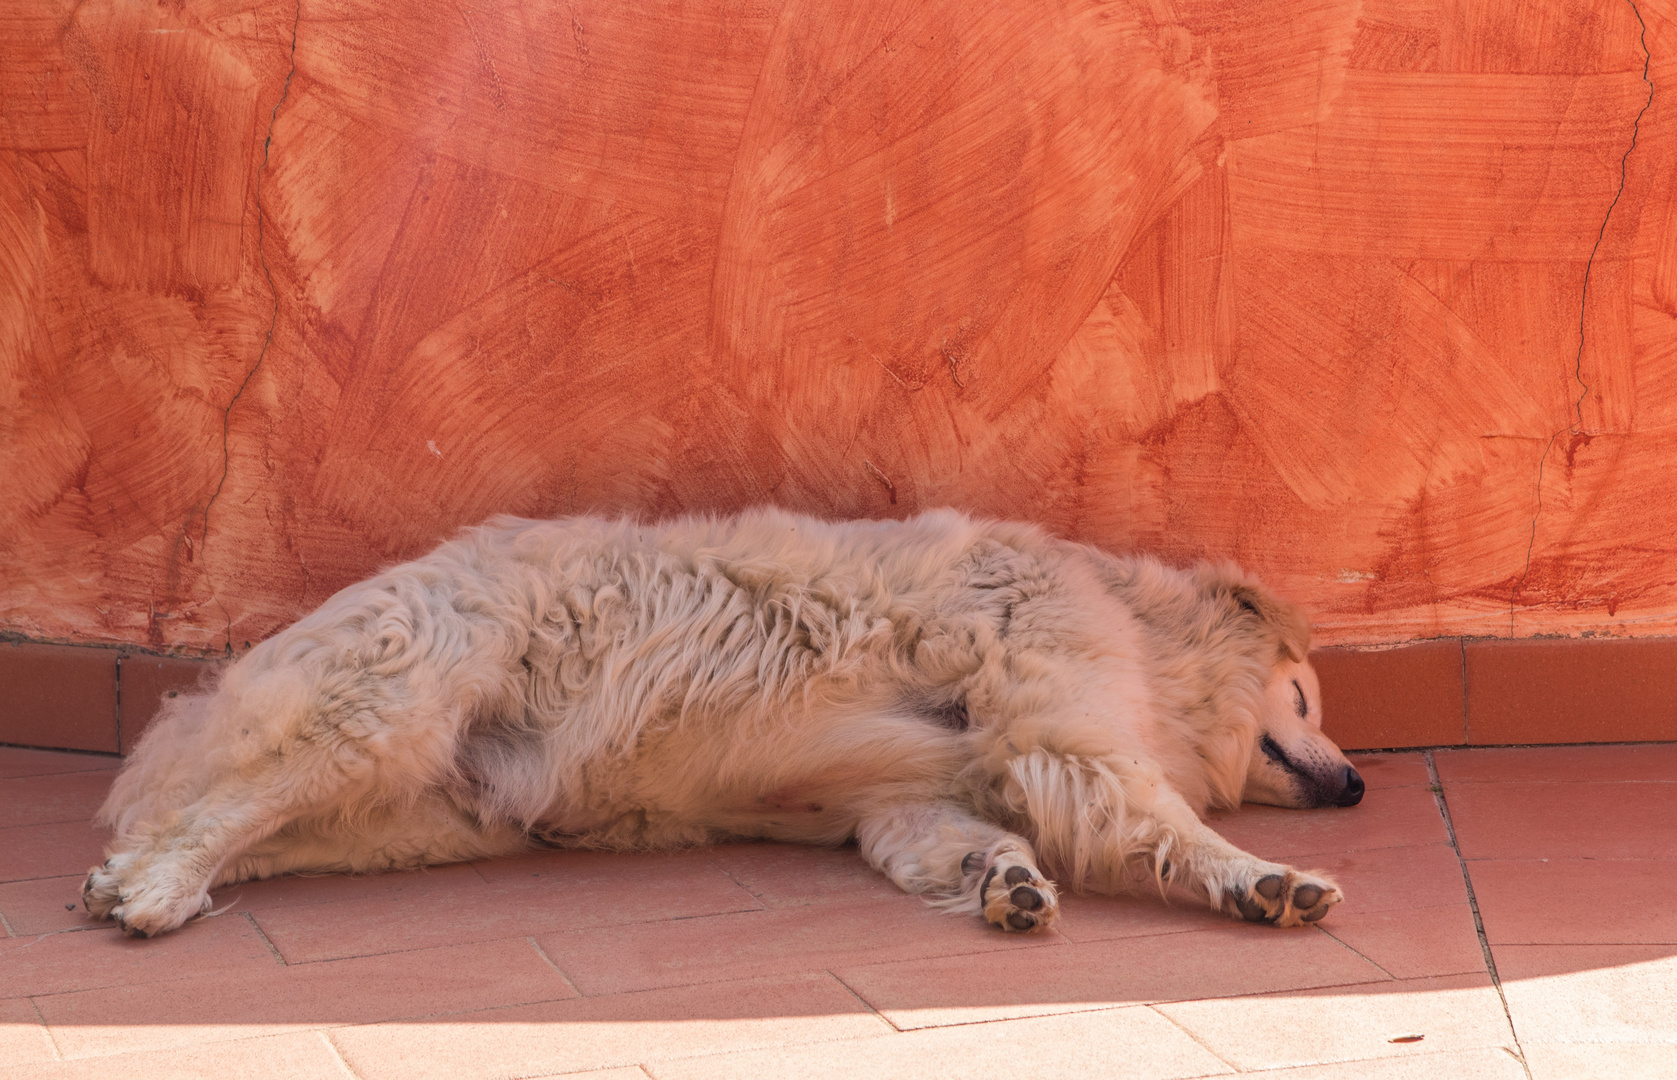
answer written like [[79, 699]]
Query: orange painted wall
[[1378, 297]]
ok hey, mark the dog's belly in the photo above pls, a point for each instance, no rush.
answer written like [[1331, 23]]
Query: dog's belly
[[810, 782]]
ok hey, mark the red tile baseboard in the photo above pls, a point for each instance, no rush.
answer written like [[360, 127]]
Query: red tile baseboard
[[1488, 692], [58, 696], [1444, 692], [145, 682], [83, 697], [1375, 699], [1571, 690]]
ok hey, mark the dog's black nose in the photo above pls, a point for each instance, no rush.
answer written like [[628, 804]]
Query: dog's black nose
[[1353, 793]]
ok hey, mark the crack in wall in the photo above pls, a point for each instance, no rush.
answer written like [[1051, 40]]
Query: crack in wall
[[268, 339], [1577, 424]]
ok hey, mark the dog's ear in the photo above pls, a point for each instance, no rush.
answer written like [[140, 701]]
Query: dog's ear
[[1288, 622], [1284, 622]]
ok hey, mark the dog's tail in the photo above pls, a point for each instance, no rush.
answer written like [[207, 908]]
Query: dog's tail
[[167, 770]]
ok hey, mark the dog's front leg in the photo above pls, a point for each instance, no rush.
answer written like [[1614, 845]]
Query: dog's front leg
[[1241, 884], [977, 867], [1234, 881], [1103, 821]]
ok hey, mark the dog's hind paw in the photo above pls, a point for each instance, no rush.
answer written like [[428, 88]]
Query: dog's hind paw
[[102, 891], [1016, 897], [1288, 898], [141, 908]]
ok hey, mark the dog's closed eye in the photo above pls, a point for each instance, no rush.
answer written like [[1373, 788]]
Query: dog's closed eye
[[1299, 705]]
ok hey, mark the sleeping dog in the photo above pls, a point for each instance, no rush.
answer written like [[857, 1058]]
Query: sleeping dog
[[983, 708]]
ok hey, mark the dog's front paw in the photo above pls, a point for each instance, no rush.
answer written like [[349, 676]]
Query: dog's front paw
[[1017, 897], [1288, 898]]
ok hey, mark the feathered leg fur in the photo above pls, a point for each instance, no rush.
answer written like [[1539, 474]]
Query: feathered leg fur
[[974, 866]]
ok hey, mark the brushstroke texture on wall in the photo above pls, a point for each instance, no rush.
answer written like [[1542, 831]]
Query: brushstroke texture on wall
[[1378, 297]]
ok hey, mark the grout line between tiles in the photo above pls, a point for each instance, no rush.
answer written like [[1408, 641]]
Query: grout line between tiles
[[57, 1051], [1153, 1007], [279, 957], [1462, 642], [116, 707], [864, 1002], [1473, 903], [548, 960], [1354, 952], [337, 1055], [337, 1051]]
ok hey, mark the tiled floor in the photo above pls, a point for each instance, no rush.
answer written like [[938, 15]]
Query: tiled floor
[[772, 961]]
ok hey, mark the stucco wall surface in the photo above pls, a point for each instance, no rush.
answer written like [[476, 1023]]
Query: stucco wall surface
[[1379, 297]]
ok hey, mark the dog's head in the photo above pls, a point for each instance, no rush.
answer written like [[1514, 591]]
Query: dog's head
[[1292, 762]]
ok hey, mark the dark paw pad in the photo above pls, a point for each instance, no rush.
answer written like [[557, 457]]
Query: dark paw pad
[[1270, 887], [1251, 910], [972, 863], [1021, 900], [1306, 897]]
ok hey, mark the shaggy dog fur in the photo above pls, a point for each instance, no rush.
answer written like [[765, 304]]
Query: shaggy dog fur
[[977, 704]]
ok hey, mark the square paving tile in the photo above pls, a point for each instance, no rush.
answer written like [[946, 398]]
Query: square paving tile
[[50, 800], [1103, 918], [56, 850], [1394, 879], [791, 875], [1232, 961], [1543, 902], [1411, 944], [298, 1056], [598, 892], [1522, 820], [18, 761], [1628, 763], [301, 890], [88, 959], [1135, 1043], [1484, 1064], [1381, 771], [23, 1038], [1602, 1061], [1348, 1023], [755, 943], [1590, 993], [227, 1005], [613, 1031], [1391, 817], [43, 905]]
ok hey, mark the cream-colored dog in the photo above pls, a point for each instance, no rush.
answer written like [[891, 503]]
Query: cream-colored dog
[[977, 704]]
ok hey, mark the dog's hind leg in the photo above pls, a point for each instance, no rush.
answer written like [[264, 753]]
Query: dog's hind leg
[[305, 728], [977, 867], [432, 830]]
